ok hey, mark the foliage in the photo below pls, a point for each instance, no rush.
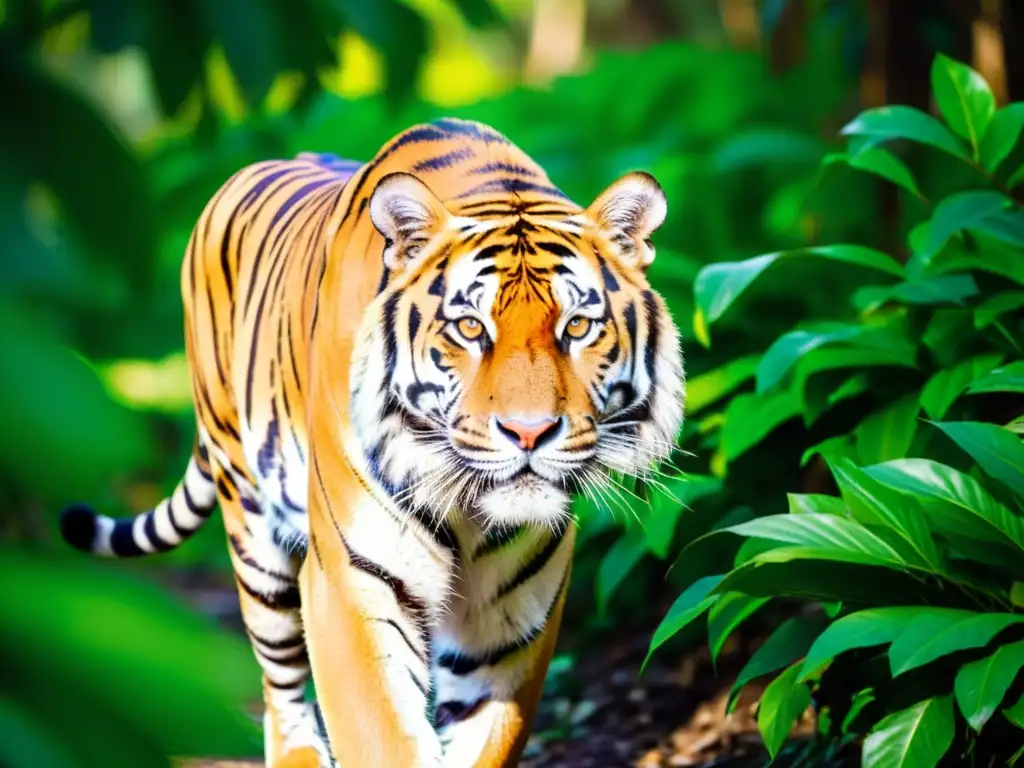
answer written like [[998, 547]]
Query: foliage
[[907, 554]]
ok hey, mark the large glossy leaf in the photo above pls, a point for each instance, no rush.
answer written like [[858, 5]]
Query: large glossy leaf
[[1001, 136], [668, 502], [990, 309], [874, 626], [802, 503], [706, 388], [617, 564], [718, 285], [888, 433], [898, 122], [731, 610], [784, 646], [1009, 378], [782, 703], [825, 531], [943, 389], [956, 504], [998, 451], [928, 637], [690, 605], [916, 737], [882, 162], [981, 685], [750, 418], [798, 345], [964, 98], [872, 503], [964, 210]]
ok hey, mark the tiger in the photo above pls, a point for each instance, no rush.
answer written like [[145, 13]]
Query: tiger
[[402, 371]]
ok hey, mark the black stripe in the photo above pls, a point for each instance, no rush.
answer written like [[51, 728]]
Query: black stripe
[[149, 531], [653, 332], [391, 622], [246, 558], [497, 540], [444, 161], [298, 657], [511, 186], [122, 542], [278, 645], [532, 567], [285, 600]]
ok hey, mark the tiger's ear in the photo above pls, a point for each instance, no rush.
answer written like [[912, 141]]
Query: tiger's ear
[[408, 214], [629, 212]]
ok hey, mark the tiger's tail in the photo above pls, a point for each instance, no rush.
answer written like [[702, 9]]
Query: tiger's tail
[[160, 529]]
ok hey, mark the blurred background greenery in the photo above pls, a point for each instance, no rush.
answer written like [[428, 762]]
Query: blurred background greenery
[[122, 117]]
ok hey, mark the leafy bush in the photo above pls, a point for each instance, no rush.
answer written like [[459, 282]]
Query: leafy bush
[[905, 550]]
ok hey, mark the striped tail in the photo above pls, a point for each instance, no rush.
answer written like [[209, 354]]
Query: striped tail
[[162, 528]]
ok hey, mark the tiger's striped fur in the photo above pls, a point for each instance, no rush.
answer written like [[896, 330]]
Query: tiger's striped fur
[[402, 371]]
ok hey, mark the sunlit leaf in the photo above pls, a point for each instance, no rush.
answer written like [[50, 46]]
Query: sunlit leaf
[[1009, 378], [706, 388], [964, 98], [1001, 135], [875, 626], [929, 636], [981, 685], [782, 703], [997, 450], [690, 605], [898, 122], [916, 737]]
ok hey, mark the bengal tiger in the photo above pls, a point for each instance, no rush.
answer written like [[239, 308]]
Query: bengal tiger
[[402, 370]]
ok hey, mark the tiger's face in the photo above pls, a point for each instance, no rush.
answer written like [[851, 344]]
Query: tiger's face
[[515, 359]]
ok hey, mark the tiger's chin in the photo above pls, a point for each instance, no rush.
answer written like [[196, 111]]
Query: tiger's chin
[[527, 499]]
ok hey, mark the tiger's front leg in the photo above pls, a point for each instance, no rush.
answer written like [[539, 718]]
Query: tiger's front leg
[[369, 596], [486, 701]]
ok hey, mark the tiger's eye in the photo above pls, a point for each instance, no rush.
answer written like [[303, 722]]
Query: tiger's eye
[[470, 328], [577, 327]]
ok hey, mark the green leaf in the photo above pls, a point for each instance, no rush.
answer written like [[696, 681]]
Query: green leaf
[[784, 646], [1002, 135], [706, 388], [956, 504], [872, 503], [888, 433], [479, 13], [987, 312], [103, 192], [898, 122], [690, 605], [943, 389], [731, 610], [860, 700], [964, 210], [802, 503], [1009, 378], [964, 98], [718, 285], [916, 737], [750, 418], [883, 163], [253, 48], [928, 637], [782, 704], [997, 450], [1015, 714], [617, 564], [981, 685], [874, 626], [668, 503], [840, 446], [182, 683], [397, 31], [825, 531]]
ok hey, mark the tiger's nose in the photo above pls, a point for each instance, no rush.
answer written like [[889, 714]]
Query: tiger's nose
[[528, 435]]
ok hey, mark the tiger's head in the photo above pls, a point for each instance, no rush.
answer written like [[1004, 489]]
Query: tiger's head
[[515, 357]]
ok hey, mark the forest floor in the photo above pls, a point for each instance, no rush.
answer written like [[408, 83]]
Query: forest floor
[[600, 712]]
